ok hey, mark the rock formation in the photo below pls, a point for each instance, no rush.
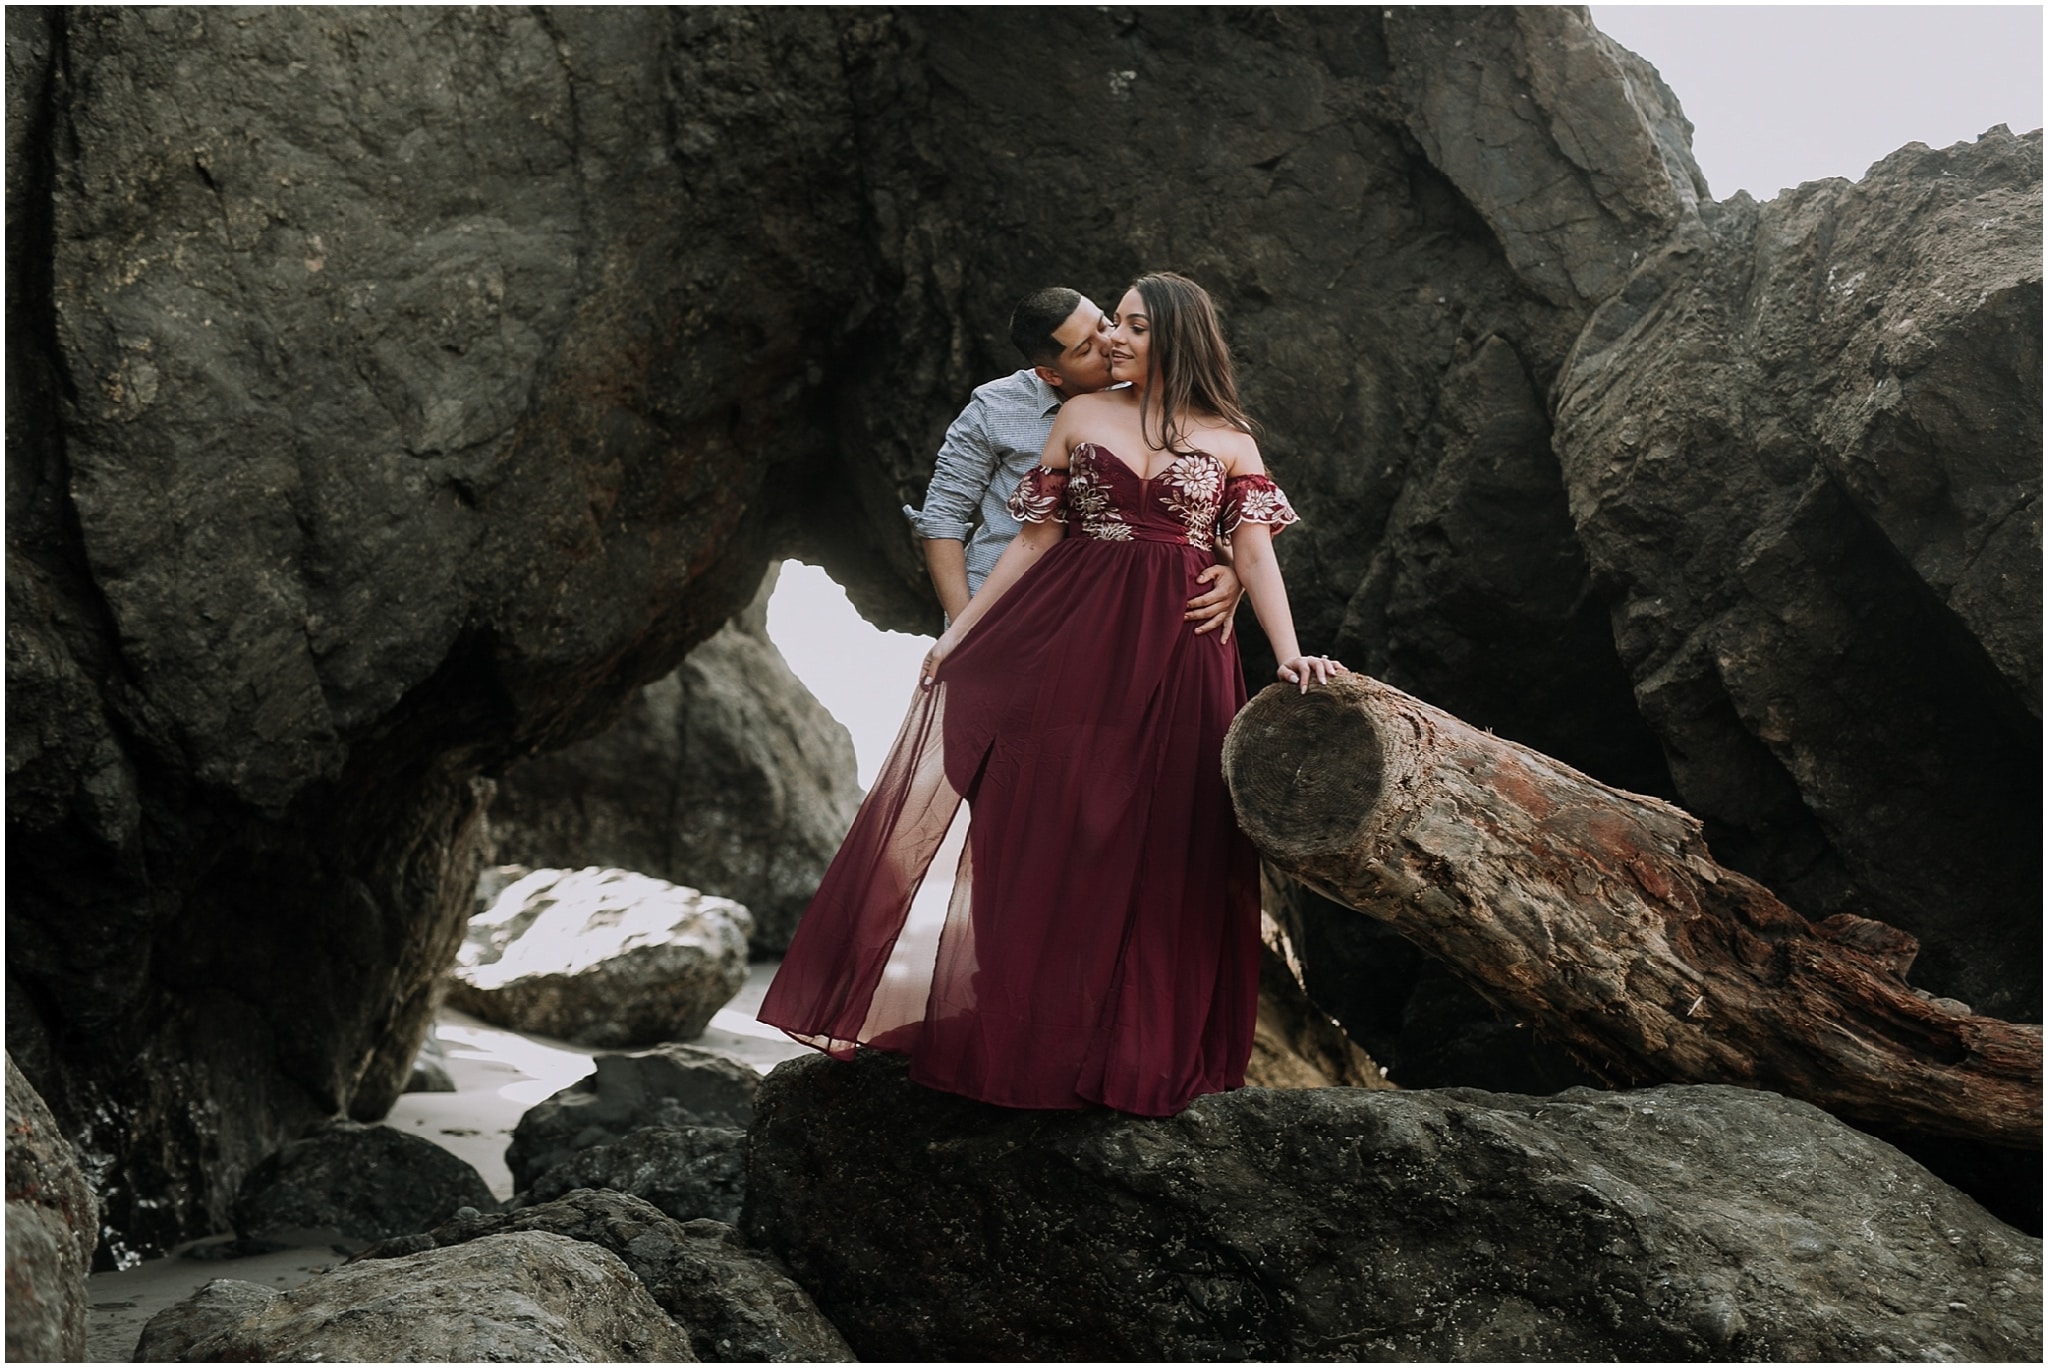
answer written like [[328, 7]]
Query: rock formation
[[602, 957], [669, 1085], [738, 1305], [53, 1224], [690, 1172], [526, 1296], [392, 394], [364, 1182], [727, 776], [1668, 1224]]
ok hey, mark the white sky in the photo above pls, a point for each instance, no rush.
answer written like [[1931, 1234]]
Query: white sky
[[1778, 95], [1781, 94]]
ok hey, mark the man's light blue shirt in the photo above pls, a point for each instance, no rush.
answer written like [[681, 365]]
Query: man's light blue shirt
[[991, 446]]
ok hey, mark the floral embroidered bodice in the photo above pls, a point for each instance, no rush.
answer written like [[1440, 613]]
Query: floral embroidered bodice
[[1188, 502]]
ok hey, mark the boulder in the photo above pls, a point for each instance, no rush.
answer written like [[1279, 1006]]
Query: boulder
[[366, 1182], [726, 775], [525, 1296], [1803, 454], [669, 1085], [690, 1172], [1674, 1223], [430, 1068], [53, 1224], [736, 1304], [602, 957]]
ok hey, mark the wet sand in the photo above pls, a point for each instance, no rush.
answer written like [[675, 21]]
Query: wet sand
[[498, 1074]]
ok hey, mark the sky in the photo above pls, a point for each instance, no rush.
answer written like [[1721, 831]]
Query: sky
[[1777, 94]]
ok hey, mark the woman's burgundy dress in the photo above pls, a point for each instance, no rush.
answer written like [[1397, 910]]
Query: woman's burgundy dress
[[1101, 943]]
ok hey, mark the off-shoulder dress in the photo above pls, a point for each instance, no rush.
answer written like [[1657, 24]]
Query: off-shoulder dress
[[1100, 944]]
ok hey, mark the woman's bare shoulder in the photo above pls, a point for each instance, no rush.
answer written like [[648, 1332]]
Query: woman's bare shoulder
[[1236, 448]]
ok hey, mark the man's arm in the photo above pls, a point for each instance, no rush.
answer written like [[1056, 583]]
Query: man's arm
[[961, 475], [945, 560], [1217, 606]]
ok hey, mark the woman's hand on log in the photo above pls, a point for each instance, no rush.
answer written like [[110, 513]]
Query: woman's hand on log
[[1306, 670]]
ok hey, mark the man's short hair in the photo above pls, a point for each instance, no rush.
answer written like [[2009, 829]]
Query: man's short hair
[[1036, 319]]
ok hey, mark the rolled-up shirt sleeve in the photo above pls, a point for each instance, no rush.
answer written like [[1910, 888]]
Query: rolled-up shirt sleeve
[[966, 464]]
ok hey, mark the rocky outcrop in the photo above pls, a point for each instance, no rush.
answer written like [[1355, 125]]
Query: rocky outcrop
[[364, 440], [365, 1182], [399, 415], [726, 776], [736, 1304], [602, 957], [520, 1297], [669, 1085], [1803, 455], [1673, 1223], [690, 1172], [52, 1226]]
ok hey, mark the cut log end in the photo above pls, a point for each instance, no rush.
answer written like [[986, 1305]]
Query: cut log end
[[1305, 770]]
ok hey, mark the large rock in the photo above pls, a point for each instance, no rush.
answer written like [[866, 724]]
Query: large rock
[[602, 957], [1803, 455], [727, 776], [736, 1304], [366, 1182], [520, 1297], [52, 1226], [690, 1172], [669, 1085], [392, 395], [1673, 1223]]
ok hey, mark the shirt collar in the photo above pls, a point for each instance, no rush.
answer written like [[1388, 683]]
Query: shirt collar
[[1048, 397]]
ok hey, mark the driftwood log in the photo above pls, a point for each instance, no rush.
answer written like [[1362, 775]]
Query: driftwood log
[[1598, 917]]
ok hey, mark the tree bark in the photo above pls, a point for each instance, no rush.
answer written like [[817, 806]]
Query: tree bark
[[1599, 917]]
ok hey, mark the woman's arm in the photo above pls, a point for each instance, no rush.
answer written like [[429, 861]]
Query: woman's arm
[[1252, 552], [1019, 556]]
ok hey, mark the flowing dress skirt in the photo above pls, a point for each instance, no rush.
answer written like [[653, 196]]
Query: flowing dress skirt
[[1101, 941]]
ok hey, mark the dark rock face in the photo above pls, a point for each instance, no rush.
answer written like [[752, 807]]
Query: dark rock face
[[727, 776], [737, 1304], [669, 1085], [690, 1172], [1802, 450], [1674, 1223], [526, 1296], [367, 1182], [602, 957], [53, 1223], [400, 416], [447, 376]]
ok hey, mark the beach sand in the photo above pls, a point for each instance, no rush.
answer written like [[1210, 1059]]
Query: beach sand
[[498, 1074]]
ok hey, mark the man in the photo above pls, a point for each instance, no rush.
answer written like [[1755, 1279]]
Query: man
[[997, 439]]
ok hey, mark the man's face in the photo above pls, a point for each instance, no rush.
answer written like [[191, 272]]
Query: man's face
[[1082, 366]]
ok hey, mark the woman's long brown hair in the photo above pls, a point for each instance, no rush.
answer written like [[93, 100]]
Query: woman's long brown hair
[[1189, 368]]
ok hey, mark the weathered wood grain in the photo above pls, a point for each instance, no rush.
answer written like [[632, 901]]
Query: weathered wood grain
[[1599, 917]]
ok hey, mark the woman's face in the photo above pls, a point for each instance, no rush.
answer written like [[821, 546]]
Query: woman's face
[[1130, 338]]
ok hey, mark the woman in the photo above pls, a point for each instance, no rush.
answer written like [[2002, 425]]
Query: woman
[[1101, 943]]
